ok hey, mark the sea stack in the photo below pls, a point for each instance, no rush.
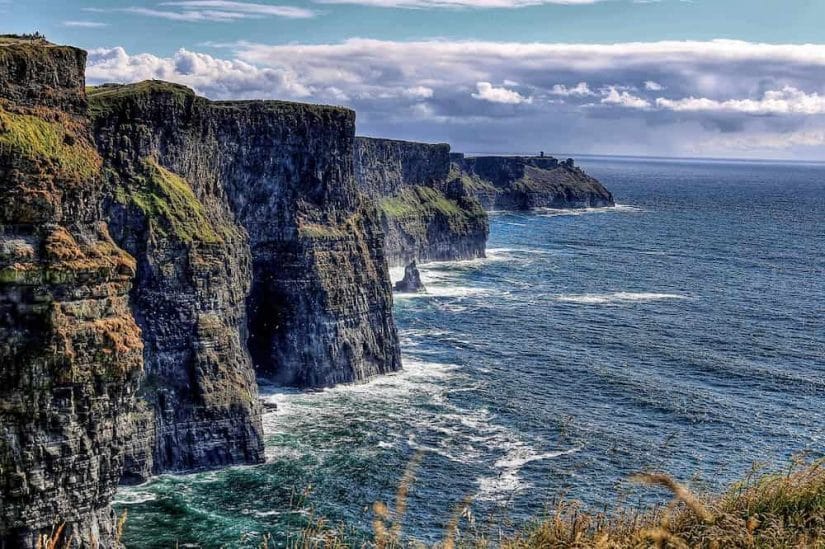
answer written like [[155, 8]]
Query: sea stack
[[411, 283]]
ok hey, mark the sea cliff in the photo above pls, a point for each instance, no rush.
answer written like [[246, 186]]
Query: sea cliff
[[426, 214], [70, 350], [249, 233], [525, 182]]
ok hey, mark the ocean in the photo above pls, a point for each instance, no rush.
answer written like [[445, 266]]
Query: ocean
[[682, 331]]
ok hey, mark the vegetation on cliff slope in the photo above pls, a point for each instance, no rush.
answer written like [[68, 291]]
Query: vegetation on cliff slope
[[50, 142], [419, 202], [169, 204]]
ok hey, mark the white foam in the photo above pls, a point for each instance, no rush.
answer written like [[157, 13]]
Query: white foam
[[618, 208], [132, 496], [615, 297]]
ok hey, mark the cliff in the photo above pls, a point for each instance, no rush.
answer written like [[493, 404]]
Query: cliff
[[268, 200], [525, 182], [426, 214], [199, 397], [70, 351]]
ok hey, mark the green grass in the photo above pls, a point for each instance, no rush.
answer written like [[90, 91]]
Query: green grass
[[51, 144], [108, 98], [470, 182], [170, 205]]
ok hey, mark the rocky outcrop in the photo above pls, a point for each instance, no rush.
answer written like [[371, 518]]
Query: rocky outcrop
[[426, 215], [411, 283], [273, 182], [70, 351], [525, 182]]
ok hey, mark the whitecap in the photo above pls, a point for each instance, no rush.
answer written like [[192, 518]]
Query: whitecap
[[615, 297]]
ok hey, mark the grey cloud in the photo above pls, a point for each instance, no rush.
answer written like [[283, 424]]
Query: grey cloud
[[661, 98]]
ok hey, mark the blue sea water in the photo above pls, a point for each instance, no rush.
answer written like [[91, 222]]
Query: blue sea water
[[682, 331]]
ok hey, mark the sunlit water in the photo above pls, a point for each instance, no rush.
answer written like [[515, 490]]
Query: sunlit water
[[682, 331]]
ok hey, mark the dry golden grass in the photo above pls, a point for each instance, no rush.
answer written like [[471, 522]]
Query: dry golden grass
[[784, 510]]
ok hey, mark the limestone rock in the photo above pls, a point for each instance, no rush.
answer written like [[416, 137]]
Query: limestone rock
[[411, 283], [525, 182], [425, 215], [70, 351]]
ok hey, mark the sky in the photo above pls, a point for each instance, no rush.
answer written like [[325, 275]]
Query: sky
[[687, 78]]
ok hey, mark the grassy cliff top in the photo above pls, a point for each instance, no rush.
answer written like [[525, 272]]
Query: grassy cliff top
[[108, 94], [380, 140], [111, 91], [18, 39]]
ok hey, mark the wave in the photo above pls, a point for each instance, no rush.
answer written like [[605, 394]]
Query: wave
[[615, 297], [508, 481], [618, 208]]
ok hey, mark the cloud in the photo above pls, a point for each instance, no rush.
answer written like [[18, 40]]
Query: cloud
[[581, 90], [664, 97], [84, 24], [788, 100], [221, 11], [488, 92], [463, 4], [624, 99]]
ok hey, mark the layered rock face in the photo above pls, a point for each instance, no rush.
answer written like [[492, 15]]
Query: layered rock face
[[166, 205], [70, 350], [426, 214], [275, 185], [525, 182]]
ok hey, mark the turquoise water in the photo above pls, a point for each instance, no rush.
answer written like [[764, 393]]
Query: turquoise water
[[683, 331]]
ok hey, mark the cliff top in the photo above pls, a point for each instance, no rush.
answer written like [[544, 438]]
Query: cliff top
[[37, 73], [106, 94], [16, 39], [401, 141]]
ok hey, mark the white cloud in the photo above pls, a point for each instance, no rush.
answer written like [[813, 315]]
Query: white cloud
[[218, 78], [488, 92], [84, 24], [624, 99], [242, 7], [464, 4], [419, 88], [579, 90], [788, 100], [212, 11]]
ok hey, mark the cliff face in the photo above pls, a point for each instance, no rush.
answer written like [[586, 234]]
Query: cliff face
[[426, 214], [199, 397], [70, 351], [524, 182], [274, 182]]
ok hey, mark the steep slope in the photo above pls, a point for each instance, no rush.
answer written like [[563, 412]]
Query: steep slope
[[70, 351], [524, 182], [280, 176], [199, 397], [426, 214]]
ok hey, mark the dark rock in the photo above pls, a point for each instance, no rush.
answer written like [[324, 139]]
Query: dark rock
[[279, 175], [425, 213], [525, 182], [70, 351], [411, 282]]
